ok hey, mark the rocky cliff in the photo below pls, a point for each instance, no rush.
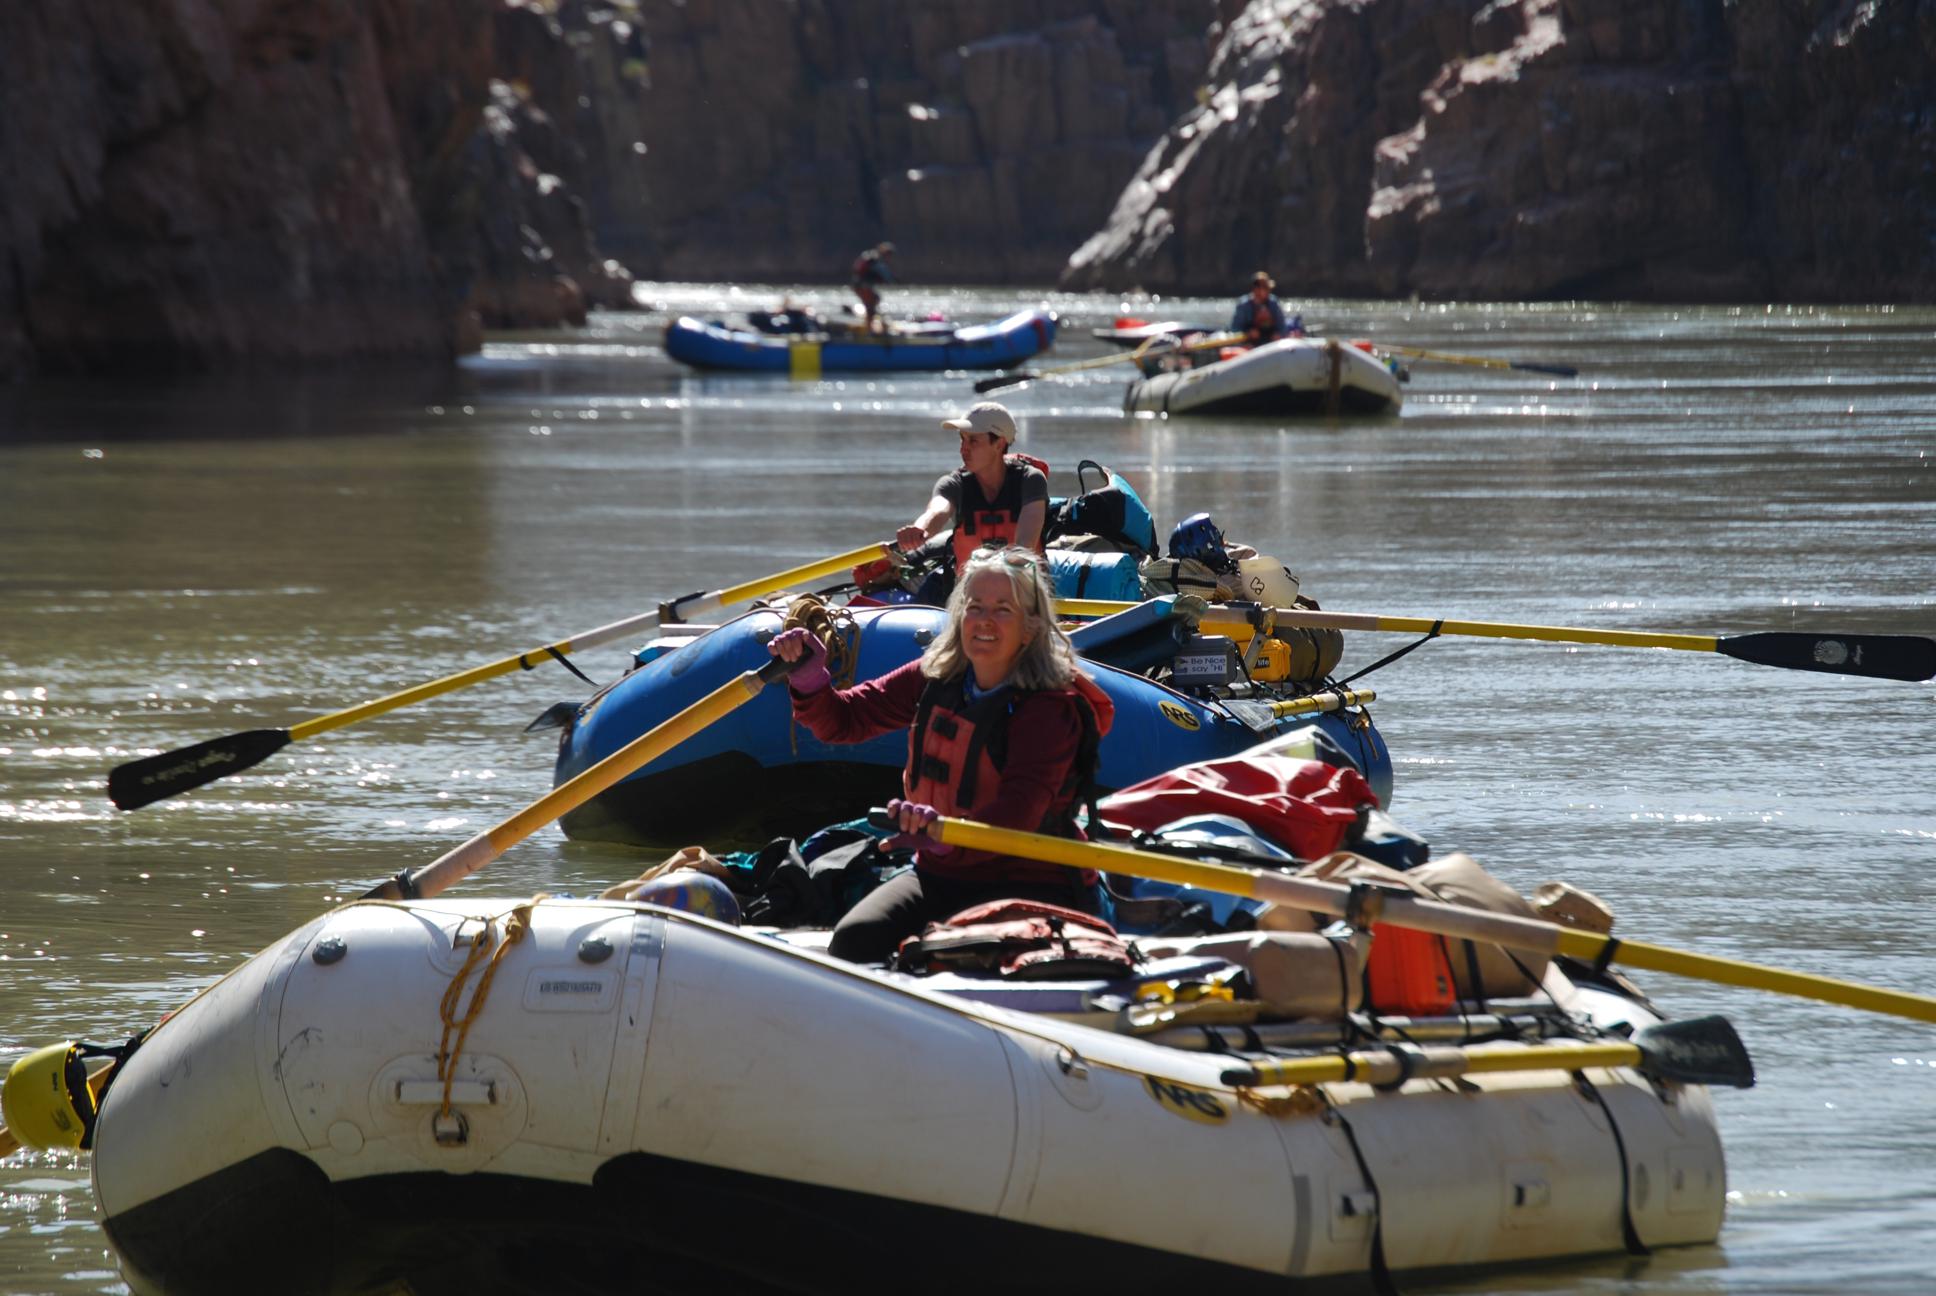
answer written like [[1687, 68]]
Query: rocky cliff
[[196, 184], [200, 183], [1654, 149], [988, 137]]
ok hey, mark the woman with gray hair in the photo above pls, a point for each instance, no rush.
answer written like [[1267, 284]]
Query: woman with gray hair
[[1003, 729]]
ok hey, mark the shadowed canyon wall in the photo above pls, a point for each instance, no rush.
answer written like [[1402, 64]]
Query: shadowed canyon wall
[[196, 184], [988, 137], [199, 184]]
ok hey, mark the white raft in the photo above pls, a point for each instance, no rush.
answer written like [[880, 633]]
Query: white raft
[[651, 1099], [1297, 376]]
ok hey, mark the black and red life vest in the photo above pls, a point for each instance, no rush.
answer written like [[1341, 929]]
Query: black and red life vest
[[956, 752], [993, 524]]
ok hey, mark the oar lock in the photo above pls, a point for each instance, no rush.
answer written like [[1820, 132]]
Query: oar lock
[[669, 610], [1365, 903]]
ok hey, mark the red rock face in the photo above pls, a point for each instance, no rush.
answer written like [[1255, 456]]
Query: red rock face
[[1648, 149]]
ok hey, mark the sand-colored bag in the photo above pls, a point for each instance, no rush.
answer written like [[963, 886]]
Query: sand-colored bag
[[1294, 974], [1567, 905], [1478, 970], [686, 857]]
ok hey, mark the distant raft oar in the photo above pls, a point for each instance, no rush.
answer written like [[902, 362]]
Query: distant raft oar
[[1892, 656], [153, 778], [1030, 375], [1484, 362]]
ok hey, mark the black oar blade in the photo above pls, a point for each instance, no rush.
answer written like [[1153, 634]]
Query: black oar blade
[[1558, 371], [559, 715], [1254, 716], [1000, 381], [1899, 657], [1700, 1050], [155, 778]]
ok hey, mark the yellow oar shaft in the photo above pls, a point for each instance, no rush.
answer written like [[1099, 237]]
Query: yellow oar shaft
[[1224, 621], [456, 865], [1254, 884], [1587, 946], [692, 605], [1454, 921], [1490, 630], [1385, 1067]]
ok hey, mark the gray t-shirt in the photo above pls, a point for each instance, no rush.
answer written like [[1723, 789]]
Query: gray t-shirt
[[952, 486]]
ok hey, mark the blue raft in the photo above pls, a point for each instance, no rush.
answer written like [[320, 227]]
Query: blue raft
[[979, 346], [755, 774]]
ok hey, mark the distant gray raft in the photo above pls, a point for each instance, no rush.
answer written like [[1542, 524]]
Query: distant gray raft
[[1297, 376]]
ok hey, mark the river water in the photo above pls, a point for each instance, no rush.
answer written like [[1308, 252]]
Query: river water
[[190, 560]]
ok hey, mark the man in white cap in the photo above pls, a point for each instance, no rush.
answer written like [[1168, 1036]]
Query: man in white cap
[[992, 499]]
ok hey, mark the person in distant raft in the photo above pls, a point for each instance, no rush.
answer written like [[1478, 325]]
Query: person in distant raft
[[993, 499], [1260, 316], [871, 268], [1003, 729]]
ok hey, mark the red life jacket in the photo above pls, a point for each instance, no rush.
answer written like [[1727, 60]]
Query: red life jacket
[[956, 751], [1025, 940], [994, 523]]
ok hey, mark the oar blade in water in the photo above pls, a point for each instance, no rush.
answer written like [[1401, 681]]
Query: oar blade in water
[[150, 779], [1899, 657], [1699, 1050], [1004, 380]]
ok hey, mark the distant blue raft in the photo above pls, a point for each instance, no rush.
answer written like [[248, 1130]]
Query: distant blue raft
[[755, 774], [979, 346]]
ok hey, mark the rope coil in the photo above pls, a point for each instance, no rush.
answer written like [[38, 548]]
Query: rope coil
[[485, 944]]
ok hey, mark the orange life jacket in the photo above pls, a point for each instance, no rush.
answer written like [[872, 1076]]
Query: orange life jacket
[[995, 524], [956, 751]]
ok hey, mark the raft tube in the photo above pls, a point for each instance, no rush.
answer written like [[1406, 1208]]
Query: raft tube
[[755, 774], [1292, 377], [705, 345], [649, 1099]]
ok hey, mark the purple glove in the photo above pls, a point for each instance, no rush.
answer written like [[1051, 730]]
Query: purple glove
[[800, 645], [913, 818]]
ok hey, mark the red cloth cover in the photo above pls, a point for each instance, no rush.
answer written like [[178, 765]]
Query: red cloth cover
[[1304, 806]]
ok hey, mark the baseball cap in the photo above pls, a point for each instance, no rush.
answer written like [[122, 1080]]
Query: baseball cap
[[985, 416]]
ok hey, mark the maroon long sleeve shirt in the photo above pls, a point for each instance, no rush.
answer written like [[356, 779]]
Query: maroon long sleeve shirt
[[1043, 737]]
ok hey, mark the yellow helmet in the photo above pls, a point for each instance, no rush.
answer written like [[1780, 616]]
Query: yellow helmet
[[45, 1099]]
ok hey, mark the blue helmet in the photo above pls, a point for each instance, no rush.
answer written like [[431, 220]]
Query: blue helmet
[[1196, 538], [692, 892]]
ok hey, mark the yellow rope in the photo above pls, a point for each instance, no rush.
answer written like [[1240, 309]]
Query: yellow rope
[[834, 627], [517, 924]]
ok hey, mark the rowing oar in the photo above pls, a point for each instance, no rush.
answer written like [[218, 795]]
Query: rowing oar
[[1698, 1050], [1485, 362], [1030, 375], [455, 865], [1899, 657], [1427, 916], [152, 778]]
